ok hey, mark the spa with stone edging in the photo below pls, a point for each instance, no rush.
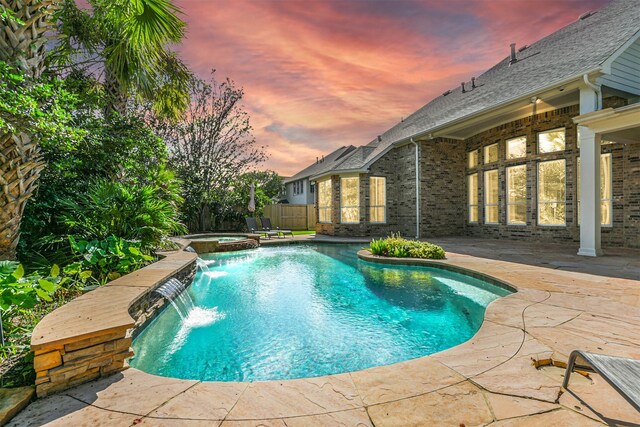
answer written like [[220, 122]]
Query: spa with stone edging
[[494, 378], [215, 242]]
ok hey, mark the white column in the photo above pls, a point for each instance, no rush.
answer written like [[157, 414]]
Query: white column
[[589, 192]]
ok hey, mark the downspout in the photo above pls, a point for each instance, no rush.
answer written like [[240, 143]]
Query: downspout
[[417, 188], [594, 88]]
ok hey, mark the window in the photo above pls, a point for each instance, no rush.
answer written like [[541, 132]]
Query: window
[[517, 147], [491, 197], [517, 195], [378, 199], [551, 141], [551, 192], [298, 187], [472, 159], [472, 197], [312, 188], [491, 153], [324, 201], [606, 199], [350, 200]]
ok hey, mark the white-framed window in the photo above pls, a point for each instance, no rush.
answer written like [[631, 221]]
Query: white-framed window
[[325, 195], [516, 147], [472, 159], [472, 197], [350, 200], [552, 202], [551, 141], [491, 197], [517, 195], [297, 187], [606, 190], [491, 153], [378, 199], [312, 188]]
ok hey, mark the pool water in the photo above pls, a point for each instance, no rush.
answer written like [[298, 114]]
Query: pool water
[[309, 310]]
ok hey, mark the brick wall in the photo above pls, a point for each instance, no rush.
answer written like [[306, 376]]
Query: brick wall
[[443, 181], [625, 188], [442, 192]]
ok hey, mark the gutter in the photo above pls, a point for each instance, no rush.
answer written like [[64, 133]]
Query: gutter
[[594, 88], [417, 188]]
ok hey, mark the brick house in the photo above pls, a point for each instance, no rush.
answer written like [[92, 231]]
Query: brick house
[[545, 146], [299, 190]]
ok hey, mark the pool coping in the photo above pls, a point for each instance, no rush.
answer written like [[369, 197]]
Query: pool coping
[[493, 377]]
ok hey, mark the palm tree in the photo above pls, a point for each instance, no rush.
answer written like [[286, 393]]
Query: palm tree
[[128, 37], [125, 44], [23, 39]]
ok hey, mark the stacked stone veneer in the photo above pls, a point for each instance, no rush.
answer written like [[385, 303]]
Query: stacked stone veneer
[[101, 350], [211, 245], [443, 186]]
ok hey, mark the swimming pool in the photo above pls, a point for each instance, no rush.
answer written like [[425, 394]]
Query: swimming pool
[[306, 311]]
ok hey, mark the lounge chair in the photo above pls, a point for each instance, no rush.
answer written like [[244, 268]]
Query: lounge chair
[[623, 374], [252, 225], [266, 225]]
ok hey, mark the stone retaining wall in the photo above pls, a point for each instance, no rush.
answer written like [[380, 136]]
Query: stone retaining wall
[[91, 336]]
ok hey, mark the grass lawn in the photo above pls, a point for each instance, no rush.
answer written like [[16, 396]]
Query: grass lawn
[[301, 232]]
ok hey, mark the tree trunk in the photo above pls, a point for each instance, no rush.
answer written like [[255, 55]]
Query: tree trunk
[[20, 167], [116, 97], [22, 44]]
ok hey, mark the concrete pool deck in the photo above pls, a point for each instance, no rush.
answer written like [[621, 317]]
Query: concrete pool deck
[[564, 302]]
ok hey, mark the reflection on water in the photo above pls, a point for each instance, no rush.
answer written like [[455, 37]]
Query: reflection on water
[[301, 311]]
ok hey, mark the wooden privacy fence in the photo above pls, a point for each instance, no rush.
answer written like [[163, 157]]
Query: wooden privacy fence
[[291, 217]]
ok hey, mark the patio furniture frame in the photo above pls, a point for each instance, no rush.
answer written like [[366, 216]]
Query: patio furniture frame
[[266, 225], [623, 374], [252, 225]]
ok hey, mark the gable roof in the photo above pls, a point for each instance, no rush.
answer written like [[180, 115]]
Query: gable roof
[[580, 47], [327, 163]]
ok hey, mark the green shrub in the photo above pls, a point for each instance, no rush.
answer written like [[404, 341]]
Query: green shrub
[[397, 247], [99, 261], [127, 210], [20, 295]]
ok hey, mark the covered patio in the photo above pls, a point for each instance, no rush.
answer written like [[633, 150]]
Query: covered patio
[[617, 125]]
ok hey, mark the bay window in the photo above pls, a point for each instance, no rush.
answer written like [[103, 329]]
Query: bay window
[[552, 192], [472, 197], [324, 201], [517, 195], [350, 200], [551, 141], [377, 199], [491, 197]]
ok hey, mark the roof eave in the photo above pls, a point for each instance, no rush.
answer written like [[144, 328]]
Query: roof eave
[[503, 104]]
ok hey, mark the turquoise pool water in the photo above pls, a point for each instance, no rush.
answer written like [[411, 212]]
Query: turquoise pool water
[[305, 311]]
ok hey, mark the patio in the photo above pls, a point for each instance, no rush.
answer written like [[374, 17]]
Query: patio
[[510, 373]]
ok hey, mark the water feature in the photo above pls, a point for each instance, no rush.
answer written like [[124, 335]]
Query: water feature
[[309, 310], [174, 291]]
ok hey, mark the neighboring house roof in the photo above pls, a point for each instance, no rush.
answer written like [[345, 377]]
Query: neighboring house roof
[[580, 47], [326, 163]]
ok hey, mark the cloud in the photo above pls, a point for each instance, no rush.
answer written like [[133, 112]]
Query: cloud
[[319, 75]]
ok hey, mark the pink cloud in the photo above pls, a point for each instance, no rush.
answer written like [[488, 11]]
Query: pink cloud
[[319, 75]]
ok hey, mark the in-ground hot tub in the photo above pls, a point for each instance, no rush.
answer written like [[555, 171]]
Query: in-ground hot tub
[[223, 242]]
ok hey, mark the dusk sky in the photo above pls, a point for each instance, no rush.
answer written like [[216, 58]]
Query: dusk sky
[[321, 74]]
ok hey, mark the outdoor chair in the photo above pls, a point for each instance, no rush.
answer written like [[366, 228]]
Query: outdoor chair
[[623, 374], [252, 225], [266, 225]]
